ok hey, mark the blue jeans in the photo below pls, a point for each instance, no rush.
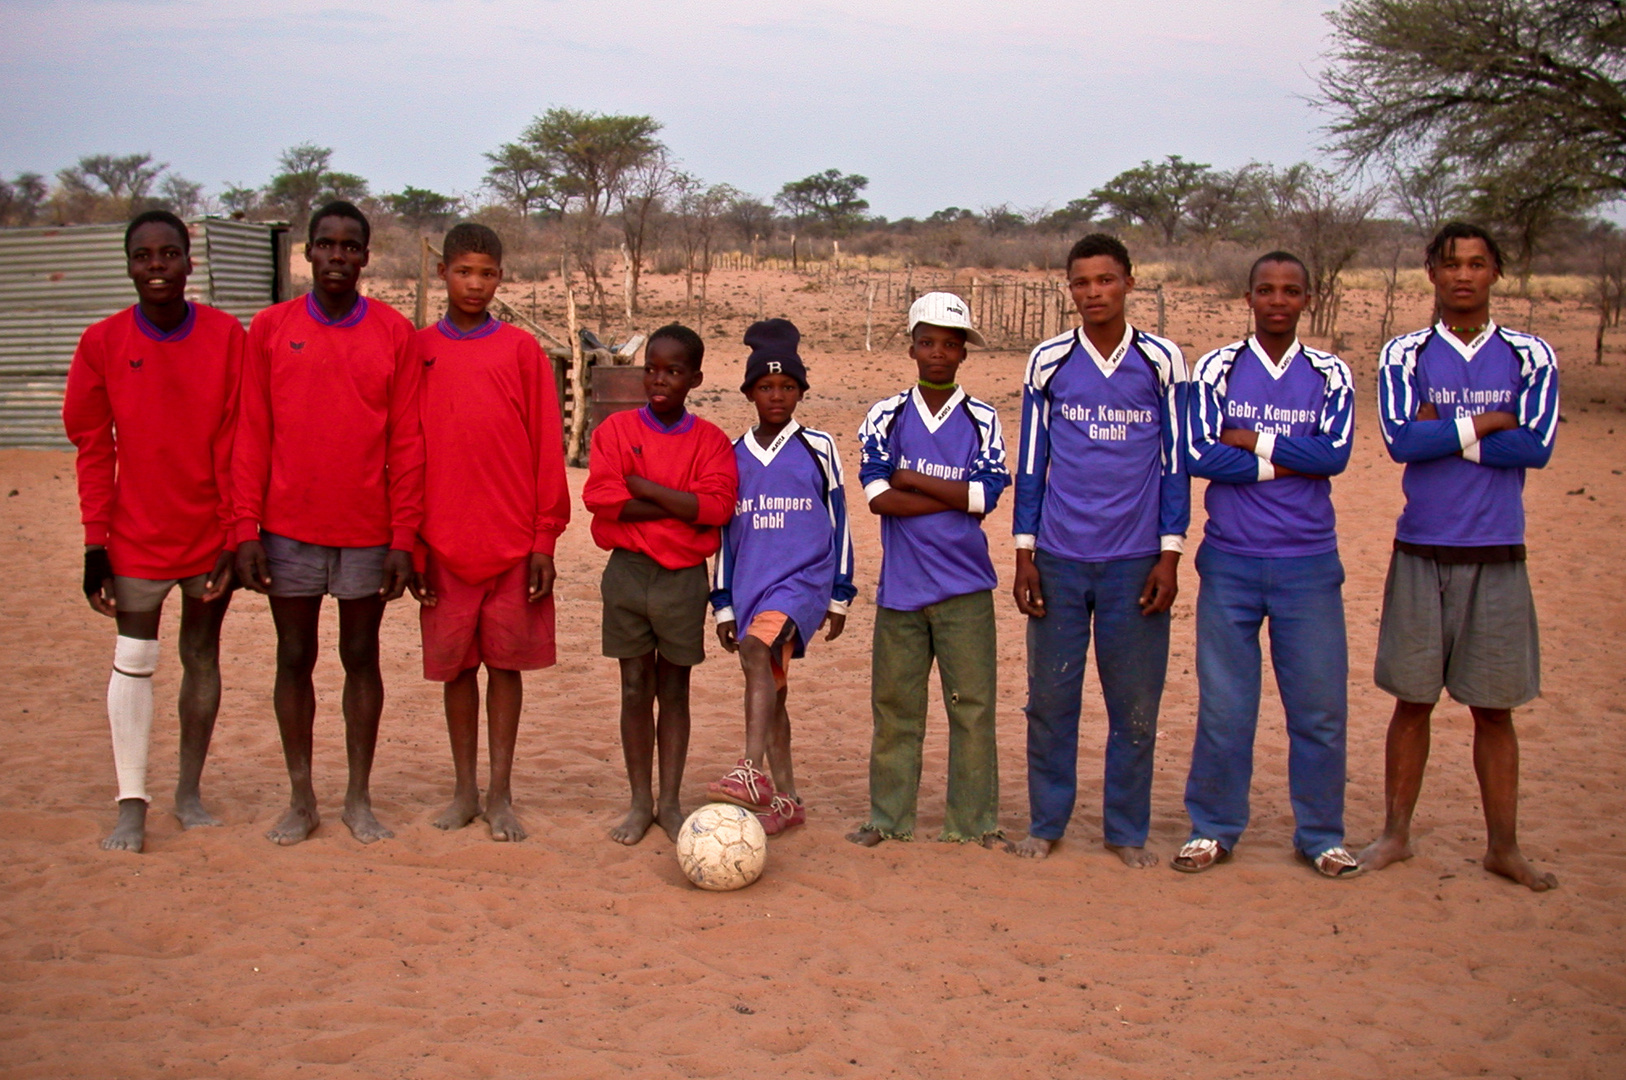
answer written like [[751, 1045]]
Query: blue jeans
[[1132, 658], [1303, 598]]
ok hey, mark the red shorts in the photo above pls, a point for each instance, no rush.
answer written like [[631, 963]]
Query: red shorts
[[489, 623]]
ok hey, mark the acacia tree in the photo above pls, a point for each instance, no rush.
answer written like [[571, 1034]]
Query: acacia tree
[[589, 154], [830, 198], [1219, 204], [1526, 98], [1329, 221], [1483, 82], [752, 217], [110, 185], [422, 208], [21, 198], [306, 179], [1427, 194], [640, 192], [1152, 193], [700, 215], [522, 179]]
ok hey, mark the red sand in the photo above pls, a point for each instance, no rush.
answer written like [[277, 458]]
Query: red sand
[[216, 954]]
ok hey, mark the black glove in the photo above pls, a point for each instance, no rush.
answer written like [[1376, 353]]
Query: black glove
[[98, 568]]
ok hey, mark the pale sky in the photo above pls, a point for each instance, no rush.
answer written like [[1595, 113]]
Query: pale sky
[[953, 102]]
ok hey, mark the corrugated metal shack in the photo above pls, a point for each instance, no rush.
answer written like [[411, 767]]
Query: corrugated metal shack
[[54, 282]]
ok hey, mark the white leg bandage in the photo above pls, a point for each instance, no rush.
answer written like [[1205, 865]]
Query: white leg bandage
[[129, 711]]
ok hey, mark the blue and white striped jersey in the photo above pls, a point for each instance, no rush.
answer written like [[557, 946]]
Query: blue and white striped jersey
[[1101, 473], [1462, 491], [788, 547]]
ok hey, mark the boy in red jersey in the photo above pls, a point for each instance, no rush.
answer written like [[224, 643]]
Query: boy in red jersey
[[495, 502], [661, 483], [327, 479], [151, 402]]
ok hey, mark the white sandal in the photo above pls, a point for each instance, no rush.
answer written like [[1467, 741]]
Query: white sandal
[[1199, 855], [1336, 863]]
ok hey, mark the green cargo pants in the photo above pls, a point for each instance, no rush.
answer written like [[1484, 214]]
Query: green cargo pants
[[959, 633]]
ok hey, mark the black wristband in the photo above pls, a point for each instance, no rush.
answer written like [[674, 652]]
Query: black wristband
[[98, 568]]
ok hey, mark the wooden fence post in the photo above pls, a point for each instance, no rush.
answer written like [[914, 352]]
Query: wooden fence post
[[1161, 323], [578, 383], [869, 317], [420, 314]]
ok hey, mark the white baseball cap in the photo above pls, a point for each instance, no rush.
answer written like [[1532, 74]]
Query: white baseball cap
[[944, 309]]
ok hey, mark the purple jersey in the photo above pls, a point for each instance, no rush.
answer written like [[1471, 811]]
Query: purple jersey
[[926, 560], [787, 548], [1303, 410], [1100, 475], [1462, 491]]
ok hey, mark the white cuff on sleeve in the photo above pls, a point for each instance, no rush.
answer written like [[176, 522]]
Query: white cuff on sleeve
[[976, 500], [874, 488], [1265, 444], [1025, 542], [1267, 471], [1172, 542], [1465, 432], [838, 607], [1471, 452], [726, 614]]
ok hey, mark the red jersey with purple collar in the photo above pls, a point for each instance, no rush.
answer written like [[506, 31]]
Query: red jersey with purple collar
[[152, 414], [494, 462], [692, 455], [329, 446]]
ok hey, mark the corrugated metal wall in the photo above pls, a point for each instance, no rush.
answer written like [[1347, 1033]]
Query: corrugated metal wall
[[54, 282]]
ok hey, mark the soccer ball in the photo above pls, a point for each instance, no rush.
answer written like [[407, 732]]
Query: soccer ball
[[722, 847]]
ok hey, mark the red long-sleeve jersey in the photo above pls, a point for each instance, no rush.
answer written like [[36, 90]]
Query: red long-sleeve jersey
[[329, 446], [695, 456], [152, 415], [494, 461]]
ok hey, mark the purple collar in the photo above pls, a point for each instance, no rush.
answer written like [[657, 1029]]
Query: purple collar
[[683, 424], [350, 318], [148, 327], [485, 329]]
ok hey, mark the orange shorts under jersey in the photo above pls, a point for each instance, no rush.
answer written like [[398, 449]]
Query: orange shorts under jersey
[[775, 630]]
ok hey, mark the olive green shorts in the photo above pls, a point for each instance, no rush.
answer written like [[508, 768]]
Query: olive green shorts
[[648, 608]]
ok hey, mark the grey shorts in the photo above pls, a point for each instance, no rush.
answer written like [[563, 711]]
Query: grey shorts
[[301, 569], [136, 595], [1469, 628], [648, 608]]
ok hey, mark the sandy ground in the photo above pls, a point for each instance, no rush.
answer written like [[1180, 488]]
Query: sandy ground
[[216, 954]]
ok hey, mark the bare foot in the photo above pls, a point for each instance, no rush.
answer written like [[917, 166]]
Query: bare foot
[[505, 824], [463, 809], [298, 823], [131, 830], [992, 840], [671, 818], [1136, 858], [190, 813], [1383, 851], [1509, 864], [632, 828], [1031, 847], [363, 825], [865, 837]]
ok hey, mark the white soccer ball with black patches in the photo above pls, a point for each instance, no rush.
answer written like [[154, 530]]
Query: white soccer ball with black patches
[[722, 847]]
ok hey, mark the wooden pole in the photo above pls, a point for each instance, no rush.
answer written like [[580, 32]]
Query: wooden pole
[[578, 383], [420, 314], [869, 317], [626, 285]]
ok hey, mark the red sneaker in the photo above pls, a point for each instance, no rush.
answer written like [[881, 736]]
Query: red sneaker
[[743, 786], [781, 814]]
